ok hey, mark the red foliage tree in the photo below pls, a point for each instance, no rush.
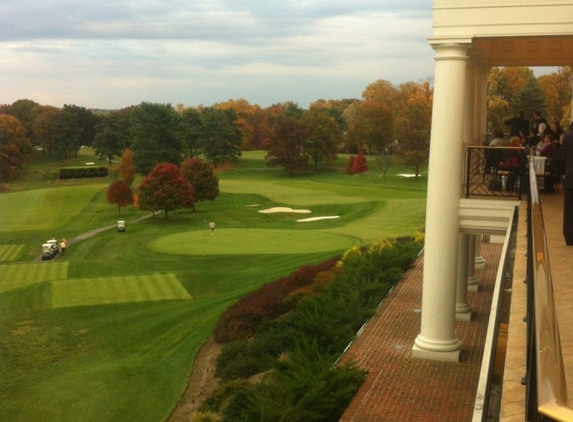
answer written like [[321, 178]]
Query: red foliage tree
[[360, 165], [287, 144], [349, 164], [200, 174], [165, 189], [119, 193]]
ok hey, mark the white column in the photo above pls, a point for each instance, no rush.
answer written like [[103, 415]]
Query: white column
[[473, 281], [463, 309], [437, 339], [479, 259]]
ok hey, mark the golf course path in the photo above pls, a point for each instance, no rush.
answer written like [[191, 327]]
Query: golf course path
[[93, 232]]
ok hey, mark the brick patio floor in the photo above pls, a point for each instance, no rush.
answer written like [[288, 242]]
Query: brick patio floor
[[399, 388]]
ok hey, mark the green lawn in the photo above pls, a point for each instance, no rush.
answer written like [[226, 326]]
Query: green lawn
[[110, 330]]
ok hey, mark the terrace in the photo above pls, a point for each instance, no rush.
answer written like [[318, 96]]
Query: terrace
[[514, 365]]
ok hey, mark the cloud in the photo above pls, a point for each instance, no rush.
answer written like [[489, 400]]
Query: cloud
[[113, 54]]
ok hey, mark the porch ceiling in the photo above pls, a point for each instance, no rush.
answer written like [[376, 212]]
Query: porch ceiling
[[525, 51]]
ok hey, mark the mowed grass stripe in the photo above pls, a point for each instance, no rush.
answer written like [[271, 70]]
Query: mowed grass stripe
[[103, 291], [16, 214], [15, 276], [10, 252]]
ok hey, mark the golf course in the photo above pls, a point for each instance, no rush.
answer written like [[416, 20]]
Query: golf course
[[109, 330]]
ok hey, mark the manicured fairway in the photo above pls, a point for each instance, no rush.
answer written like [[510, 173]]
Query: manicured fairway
[[109, 331], [10, 252], [104, 291], [250, 241], [43, 209], [15, 276]]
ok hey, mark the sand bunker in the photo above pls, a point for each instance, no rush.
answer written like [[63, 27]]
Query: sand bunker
[[283, 209], [304, 220]]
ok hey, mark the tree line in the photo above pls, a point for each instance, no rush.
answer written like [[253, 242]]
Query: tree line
[[387, 119]]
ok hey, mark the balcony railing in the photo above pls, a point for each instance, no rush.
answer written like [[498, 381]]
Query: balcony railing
[[546, 389], [486, 172]]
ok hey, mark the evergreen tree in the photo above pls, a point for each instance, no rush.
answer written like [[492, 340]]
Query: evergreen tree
[[156, 136]]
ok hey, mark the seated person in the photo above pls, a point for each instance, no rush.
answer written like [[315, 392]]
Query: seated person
[[493, 157], [512, 162], [547, 148]]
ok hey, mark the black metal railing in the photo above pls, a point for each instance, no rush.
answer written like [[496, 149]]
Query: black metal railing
[[496, 172]]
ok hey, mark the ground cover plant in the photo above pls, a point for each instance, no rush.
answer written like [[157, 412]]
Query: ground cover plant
[[296, 349], [129, 361]]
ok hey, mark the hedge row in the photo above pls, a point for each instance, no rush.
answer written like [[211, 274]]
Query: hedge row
[[296, 353], [82, 172], [242, 319]]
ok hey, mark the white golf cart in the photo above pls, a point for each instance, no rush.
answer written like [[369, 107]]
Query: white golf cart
[[121, 226], [47, 252], [55, 247]]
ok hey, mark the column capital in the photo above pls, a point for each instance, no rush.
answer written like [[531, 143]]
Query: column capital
[[451, 49]]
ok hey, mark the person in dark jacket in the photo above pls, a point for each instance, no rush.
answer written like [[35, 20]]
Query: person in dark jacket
[[567, 153], [518, 124]]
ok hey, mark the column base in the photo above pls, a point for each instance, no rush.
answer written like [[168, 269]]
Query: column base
[[464, 316], [452, 356], [436, 350], [479, 263], [473, 284]]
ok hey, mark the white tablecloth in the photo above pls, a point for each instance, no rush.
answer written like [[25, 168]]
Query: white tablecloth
[[539, 164]]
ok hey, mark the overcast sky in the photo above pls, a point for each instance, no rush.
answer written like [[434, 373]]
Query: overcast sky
[[116, 53]]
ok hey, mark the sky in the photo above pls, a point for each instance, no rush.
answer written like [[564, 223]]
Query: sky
[[111, 54]]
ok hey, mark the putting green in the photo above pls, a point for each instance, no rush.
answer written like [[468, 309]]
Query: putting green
[[10, 252], [106, 290], [15, 276], [250, 241]]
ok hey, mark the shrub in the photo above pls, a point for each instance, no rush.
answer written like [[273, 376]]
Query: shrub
[[242, 319], [239, 359], [298, 351], [82, 172]]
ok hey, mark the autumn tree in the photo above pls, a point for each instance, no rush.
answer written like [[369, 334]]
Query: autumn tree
[[156, 136], [15, 147], [370, 126], [324, 137], [287, 145], [384, 92], [556, 90], [165, 189], [109, 140], [347, 169], [126, 168], [504, 86], [119, 193], [200, 174], [245, 121], [413, 124], [360, 164]]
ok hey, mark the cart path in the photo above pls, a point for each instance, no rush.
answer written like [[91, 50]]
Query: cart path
[[91, 233]]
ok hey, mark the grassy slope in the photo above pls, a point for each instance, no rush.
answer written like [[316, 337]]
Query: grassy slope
[[130, 361]]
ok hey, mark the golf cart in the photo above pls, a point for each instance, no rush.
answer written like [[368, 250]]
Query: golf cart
[[121, 226], [55, 247], [47, 252]]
